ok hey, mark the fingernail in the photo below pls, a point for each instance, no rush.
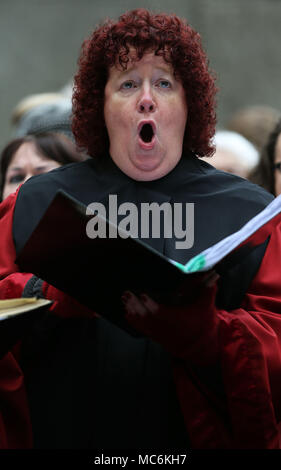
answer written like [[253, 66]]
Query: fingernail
[[125, 300], [143, 297], [126, 295]]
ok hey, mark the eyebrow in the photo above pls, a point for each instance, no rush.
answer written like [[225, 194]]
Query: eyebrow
[[130, 69], [18, 168], [15, 168]]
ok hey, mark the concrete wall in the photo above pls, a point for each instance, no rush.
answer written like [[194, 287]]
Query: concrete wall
[[40, 42]]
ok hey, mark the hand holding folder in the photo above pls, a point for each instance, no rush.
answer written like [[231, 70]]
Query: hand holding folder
[[184, 330]]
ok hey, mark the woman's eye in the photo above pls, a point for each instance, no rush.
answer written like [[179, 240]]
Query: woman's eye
[[164, 84], [128, 85], [16, 179]]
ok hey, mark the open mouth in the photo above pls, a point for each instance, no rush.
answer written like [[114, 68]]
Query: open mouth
[[147, 133]]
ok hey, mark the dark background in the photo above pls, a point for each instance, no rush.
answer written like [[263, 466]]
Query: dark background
[[40, 42]]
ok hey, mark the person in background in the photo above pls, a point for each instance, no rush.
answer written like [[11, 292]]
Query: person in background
[[255, 123], [268, 172], [44, 112], [234, 154], [32, 155]]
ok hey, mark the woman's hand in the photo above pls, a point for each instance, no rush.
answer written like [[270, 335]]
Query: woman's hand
[[188, 331]]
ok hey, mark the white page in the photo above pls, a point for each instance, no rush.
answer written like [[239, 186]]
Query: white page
[[211, 256]]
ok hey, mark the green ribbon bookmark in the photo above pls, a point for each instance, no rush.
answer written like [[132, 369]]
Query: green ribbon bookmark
[[195, 264]]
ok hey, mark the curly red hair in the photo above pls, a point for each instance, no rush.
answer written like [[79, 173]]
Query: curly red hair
[[168, 36]]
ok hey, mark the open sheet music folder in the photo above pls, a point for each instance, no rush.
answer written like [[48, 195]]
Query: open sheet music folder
[[97, 271]]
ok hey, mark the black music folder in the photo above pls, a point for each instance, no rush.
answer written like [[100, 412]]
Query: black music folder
[[96, 271]]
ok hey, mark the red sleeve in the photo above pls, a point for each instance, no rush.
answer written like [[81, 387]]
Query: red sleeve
[[12, 282], [8, 254], [249, 413], [15, 426]]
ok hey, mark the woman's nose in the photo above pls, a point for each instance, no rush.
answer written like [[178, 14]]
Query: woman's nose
[[146, 102]]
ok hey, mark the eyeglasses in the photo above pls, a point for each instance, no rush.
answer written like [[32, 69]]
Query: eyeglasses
[[277, 166]]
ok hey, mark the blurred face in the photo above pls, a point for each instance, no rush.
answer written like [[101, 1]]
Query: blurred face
[[25, 163], [277, 159], [227, 161], [145, 114]]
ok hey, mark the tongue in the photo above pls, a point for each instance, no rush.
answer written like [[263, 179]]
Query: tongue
[[146, 133]]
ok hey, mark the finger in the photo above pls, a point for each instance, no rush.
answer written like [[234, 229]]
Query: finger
[[149, 303], [133, 304], [212, 279]]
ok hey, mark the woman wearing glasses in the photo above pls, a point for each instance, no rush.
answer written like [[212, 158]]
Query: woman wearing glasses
[[268, 172]]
